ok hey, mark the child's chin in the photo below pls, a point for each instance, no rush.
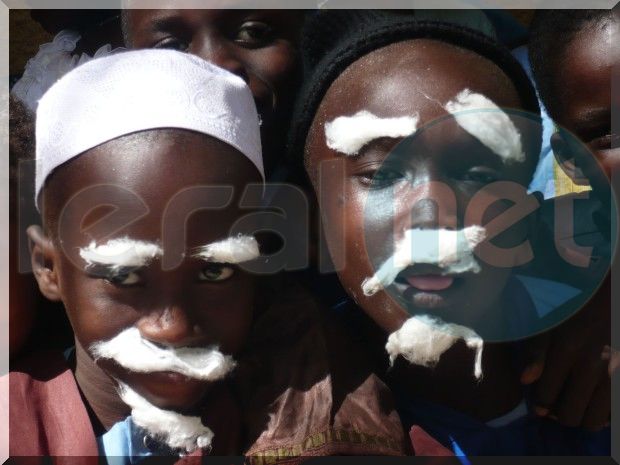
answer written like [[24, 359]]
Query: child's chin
[[171, 391]]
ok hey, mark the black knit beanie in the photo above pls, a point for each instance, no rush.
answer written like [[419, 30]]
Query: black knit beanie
[[333, 40]]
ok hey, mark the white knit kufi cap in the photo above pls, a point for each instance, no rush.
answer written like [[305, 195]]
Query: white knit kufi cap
[[139, 90]]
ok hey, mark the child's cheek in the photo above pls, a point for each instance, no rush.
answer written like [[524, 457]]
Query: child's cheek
[[225, 312], [97, 317], [513, 235], [277, 62]]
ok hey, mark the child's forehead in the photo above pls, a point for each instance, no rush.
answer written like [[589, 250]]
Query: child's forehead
[[151, 176], [171, 157], [584, 75], [419, 50], [423, 58], [592, 50], [415, 75]]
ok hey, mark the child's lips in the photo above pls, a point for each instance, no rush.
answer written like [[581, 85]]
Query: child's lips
[[430, 282], [427, 287]]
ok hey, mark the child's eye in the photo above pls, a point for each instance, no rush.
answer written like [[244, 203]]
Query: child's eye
[[172, 43], [481, 175], [124, 276], [215, 272], [254, 34], [608, 142], [129, 278], [381, 178]]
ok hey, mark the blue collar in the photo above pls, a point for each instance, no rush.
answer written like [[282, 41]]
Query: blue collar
[[127, 444]]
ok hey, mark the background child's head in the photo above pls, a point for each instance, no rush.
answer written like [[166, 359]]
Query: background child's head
[[260, 46], [141, 160], [418, 73], [573, 53]]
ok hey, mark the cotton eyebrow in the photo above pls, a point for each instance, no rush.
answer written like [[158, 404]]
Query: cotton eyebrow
[[484, 120], [349, 134], [121, 253], [232, 250]]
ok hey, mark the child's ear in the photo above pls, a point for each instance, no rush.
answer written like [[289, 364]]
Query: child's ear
[[42, 257], [566, 159]]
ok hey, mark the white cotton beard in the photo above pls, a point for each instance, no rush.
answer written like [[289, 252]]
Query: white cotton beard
[[180, 432], [348, 134], [452, 251], [491, 126], [121, 253], [423, 339], [134, 353], [232, 250]]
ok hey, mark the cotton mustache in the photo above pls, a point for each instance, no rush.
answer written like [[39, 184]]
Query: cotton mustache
[[450, 250], [134, 353]]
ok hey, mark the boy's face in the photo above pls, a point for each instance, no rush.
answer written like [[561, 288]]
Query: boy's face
[[588, 102], [258, 45], [379, 195], [196, 304]]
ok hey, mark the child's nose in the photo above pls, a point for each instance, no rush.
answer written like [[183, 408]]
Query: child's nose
[[432, 205], [219, 52], [171, 326]]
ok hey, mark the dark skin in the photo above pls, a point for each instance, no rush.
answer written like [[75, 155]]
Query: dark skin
[[401, 80], [588, 103], [576, 387], [194, 304], [258, 45]]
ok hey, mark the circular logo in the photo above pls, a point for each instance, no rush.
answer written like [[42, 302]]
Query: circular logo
[[452, 229]]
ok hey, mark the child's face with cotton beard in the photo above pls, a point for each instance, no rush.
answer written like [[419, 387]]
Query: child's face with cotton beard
[[258, 45], [378, 197], [198, 303]]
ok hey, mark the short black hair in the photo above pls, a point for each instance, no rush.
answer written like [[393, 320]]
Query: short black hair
[[551, 32], [333, 40]]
